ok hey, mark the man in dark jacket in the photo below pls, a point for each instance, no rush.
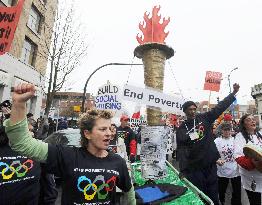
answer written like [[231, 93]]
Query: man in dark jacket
[[129, 137], [196, 150]]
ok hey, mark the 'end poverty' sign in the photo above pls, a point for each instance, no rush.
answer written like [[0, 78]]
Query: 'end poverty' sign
[[153, 98], [107, 98]]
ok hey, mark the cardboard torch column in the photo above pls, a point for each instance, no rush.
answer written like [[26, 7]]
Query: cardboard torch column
[[153, 136], [154, 56]]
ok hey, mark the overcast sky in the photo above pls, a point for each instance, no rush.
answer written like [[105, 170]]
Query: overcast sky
[[206, 35]]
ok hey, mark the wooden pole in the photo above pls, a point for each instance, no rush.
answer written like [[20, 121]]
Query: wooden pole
[[209, 100]]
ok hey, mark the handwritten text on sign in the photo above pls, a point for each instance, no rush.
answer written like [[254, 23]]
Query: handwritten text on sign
[[153, 98], [9, 17], [107, 98], [212, 81]]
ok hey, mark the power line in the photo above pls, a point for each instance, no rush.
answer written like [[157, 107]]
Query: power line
[[180, 90]]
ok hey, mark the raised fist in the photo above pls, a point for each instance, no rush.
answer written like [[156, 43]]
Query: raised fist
[[235, 88], [23, 92]]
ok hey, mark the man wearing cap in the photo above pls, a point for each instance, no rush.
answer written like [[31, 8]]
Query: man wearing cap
[[196, 151], [125, 132]]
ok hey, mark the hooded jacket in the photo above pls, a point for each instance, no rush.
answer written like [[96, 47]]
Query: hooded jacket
[[200, 152]]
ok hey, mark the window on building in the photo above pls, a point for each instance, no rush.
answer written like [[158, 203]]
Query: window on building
[[34, 19], [29, 52], [6, 2]]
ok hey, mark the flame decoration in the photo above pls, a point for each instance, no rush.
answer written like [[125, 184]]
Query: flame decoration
[[153, 31]]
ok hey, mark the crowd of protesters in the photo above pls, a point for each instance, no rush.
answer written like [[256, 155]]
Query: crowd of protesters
[[209, 152]]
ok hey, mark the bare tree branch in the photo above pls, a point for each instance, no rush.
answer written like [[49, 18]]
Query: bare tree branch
[[68, 47]]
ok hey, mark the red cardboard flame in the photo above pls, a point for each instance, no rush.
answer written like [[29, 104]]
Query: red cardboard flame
[[153, 31]]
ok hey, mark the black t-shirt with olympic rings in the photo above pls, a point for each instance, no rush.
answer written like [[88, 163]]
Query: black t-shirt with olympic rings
[[87, 179], [19, 178]]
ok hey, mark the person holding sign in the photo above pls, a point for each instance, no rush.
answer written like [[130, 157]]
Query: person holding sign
[[250, 168], [196, 150], [89, 174]]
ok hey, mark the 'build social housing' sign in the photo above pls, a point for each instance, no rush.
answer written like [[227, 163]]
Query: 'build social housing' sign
[[153, 98], [107, 98]]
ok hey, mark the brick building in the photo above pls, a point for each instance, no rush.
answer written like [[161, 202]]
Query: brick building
[[27, 58], [65, 102]]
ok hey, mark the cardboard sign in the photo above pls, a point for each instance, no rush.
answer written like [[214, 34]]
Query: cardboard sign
[[107, 98], [153, 98], [212, 81], [153, 151], [9, 17]]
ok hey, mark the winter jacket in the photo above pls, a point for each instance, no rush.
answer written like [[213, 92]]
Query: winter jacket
[[200, 152]]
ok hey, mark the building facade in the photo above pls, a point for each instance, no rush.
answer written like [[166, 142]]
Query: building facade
[[27, 59], [68, 104]]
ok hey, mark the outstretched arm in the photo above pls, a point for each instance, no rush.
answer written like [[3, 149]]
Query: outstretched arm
[[17, 128], [222, 105]]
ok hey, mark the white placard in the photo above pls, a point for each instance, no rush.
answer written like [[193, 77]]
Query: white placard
[[153, 151], [153, 98], [107, 98], [134, 124]]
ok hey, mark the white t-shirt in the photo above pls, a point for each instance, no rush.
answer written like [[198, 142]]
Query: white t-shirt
[[225, 148], [248, 176]]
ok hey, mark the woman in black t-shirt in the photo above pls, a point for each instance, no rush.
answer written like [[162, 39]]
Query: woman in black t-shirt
[[89, 174], [19, 176]]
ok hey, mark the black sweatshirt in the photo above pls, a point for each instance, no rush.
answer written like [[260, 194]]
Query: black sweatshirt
[[202, 152]]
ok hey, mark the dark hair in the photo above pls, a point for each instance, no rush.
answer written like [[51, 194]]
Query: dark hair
[[187, 104], [87, 122], [243, 130], [6, 103], [225, 126]]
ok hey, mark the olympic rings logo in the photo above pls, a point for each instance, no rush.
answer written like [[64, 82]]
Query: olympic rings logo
[[200, 132], [92, 188], [15, 168]]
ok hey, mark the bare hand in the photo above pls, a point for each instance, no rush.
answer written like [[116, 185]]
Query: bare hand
[[235, 88], [220, 162], [23, 92]]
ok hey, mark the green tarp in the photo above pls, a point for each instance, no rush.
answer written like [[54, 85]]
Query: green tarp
[[172, 178]]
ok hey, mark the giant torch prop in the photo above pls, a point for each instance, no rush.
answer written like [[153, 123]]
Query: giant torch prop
[[154, 52]]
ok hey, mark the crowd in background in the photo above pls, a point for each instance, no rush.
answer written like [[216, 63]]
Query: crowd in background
[[208, 147]]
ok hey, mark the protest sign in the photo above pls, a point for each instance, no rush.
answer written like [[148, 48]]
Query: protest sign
[[212, 81], [153, 151], [9, 17], [134, 123], [107, 98], [153, 98]]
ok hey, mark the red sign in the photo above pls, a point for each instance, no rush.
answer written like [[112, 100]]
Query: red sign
[[212, 81], [153, 31], [9, 17]]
